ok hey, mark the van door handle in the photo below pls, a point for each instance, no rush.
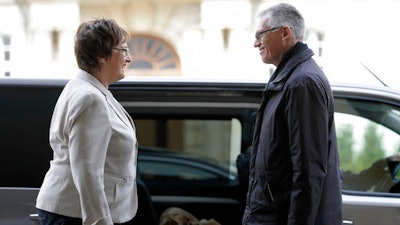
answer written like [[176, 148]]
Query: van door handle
[[34, 216], [347, 222]]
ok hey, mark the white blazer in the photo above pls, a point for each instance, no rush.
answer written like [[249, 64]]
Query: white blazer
[[93, 172]]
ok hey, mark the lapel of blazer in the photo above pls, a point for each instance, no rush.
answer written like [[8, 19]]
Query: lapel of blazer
[[112, 102], [119, 110]]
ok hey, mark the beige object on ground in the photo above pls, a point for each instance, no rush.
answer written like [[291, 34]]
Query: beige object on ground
[[178, 216]]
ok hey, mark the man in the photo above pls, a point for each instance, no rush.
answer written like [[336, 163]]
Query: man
[[294, 168]]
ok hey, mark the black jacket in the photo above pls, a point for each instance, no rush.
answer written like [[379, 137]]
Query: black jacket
[[294, 168]]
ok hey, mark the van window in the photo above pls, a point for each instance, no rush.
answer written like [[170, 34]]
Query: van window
[[369, 144], [188, 149]]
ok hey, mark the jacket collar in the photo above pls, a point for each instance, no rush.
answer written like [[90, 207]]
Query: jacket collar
[[83, 75], [290, 60], [118, 109]]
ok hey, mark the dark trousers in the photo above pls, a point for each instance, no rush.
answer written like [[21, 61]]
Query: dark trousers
[[48, 218]]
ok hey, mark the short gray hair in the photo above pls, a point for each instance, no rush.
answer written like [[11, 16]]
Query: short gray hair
[[284, 14]]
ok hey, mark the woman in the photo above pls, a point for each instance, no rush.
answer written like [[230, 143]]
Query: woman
[[92, 177]]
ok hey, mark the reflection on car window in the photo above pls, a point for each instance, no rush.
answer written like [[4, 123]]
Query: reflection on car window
[[188, 149], [164, 171], [369, 144]]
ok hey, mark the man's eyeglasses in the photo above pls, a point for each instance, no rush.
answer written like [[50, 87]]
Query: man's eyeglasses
[[124, 50], [259, 34]]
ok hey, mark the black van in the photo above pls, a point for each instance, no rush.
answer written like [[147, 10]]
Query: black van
[[190, 135]]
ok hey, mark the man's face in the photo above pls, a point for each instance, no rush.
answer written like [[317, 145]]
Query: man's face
[[269, 42]]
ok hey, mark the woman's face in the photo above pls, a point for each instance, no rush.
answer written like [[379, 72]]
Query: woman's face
[[118, 61]]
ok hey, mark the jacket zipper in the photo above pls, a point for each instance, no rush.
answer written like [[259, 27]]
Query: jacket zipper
[[270, 193]]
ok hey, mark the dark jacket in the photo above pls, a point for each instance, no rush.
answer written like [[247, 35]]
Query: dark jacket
[[294, 168]]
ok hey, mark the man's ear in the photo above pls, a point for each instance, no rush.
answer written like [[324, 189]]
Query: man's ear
[[287, 31], [287, 34]]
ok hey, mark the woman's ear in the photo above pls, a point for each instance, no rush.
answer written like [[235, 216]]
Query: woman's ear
[[102, 60]]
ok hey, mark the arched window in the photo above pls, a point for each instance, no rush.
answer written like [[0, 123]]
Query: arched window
[[153, 56]]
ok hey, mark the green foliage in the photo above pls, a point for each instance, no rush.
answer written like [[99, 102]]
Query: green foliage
[[345, 139], [398, 148], [371, 149]]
